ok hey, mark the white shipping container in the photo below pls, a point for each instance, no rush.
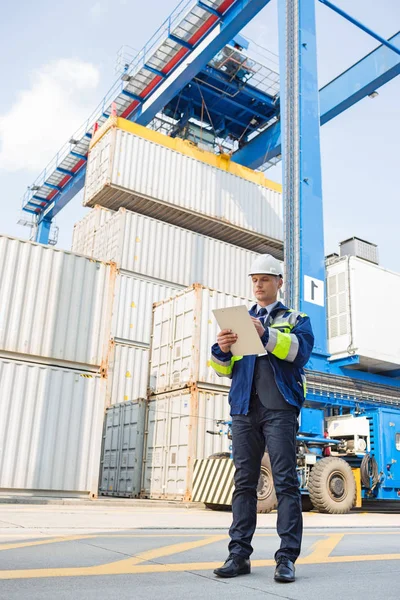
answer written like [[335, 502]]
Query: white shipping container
[[184, 329], [128, 373], [83, 234], [143, 245], [133, 306], [50, 428], [125, 169], [55, 305], [354, 327], [122, 452], [177, 425]]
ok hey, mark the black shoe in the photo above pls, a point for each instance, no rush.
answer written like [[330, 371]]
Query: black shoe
[[234, 565], [284, 572]]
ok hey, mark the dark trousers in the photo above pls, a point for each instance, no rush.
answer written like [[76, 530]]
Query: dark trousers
[[251, 434]]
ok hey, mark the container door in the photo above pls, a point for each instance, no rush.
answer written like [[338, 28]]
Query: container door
[[112, 434], [131, 455]]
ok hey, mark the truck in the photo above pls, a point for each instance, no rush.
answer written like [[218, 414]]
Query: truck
[[346, 455]]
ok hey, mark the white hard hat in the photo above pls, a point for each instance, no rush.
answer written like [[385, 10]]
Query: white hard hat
[[265, 264]]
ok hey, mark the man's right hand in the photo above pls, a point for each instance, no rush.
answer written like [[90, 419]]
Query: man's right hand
[[225, 339]]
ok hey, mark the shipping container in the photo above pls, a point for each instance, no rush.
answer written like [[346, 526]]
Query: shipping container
[[83, 234], [177, 425], [128, 373], [50, 429], [122, 450], [354, 328], [133, 306], [184, 329], [55, 307], [140, 244], [133, 167]]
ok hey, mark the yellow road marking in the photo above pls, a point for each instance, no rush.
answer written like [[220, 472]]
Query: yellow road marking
[[13, 545], [362, 558], [322, 545], [322, 549], [320, 554], [51, 540], [115, 568]]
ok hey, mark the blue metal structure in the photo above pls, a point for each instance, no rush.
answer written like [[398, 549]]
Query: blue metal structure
[[386, 451], [184, 44], [359, 81], [157, 76], [302, 187]]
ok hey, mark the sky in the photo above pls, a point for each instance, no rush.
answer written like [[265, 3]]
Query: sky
[[57, 64]]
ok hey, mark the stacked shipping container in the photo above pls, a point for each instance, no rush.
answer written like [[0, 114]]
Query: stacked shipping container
[[76, 329], [55, 319], [154, 261], [188, 214], [170, 180], [188, 397]]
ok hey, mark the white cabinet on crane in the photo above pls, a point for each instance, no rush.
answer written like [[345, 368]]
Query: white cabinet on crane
[[357, 324]]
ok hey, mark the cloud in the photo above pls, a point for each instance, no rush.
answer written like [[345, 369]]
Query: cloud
[[60, 97]]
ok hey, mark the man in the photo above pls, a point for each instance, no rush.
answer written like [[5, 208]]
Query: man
[[266, 395]]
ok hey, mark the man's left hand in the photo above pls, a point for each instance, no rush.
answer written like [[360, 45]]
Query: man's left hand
[[258, 326]]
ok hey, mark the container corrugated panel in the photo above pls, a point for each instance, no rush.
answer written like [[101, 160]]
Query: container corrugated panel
[[55, 305], [133, 306], [177, 425], [127, 170], [122, 453], [184, 330], [140, 244], [50, 428], [353, 326], [127, 374], [83, 235]]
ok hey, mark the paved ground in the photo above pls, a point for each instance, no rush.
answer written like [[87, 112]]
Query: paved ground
[[141, 552]]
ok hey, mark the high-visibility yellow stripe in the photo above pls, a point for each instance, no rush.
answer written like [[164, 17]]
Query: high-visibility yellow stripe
[[220, 369], [187, 148], [225, 370], [282, 347], [235, 359], [283, 324]]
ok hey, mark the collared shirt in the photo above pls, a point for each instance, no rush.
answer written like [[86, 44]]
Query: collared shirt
[[269, 308]]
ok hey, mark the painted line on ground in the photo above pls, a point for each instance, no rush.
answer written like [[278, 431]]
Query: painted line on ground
[[320, 554], [120, 567]]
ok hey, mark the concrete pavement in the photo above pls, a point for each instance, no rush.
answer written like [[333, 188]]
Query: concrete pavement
[[120, 551]]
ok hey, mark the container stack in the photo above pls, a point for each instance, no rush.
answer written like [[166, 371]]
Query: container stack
[[176, 216], [154, 261], [186, 397], [55, 318], [172, 180]]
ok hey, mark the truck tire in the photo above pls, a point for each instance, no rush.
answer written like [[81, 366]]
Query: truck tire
[[266, 497], [332, 486], [220, 455]]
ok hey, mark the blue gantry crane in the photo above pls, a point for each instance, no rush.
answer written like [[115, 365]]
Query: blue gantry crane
[[195, 68]]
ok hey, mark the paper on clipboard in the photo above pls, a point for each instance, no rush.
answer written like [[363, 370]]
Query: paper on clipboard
[[239, 321]]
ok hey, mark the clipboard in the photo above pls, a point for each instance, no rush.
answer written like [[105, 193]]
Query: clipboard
[[239, 321]]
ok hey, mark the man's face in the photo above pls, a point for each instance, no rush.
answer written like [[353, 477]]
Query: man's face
[[265, 288]]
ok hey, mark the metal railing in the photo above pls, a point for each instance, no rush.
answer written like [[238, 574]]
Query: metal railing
[[138, 62]]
